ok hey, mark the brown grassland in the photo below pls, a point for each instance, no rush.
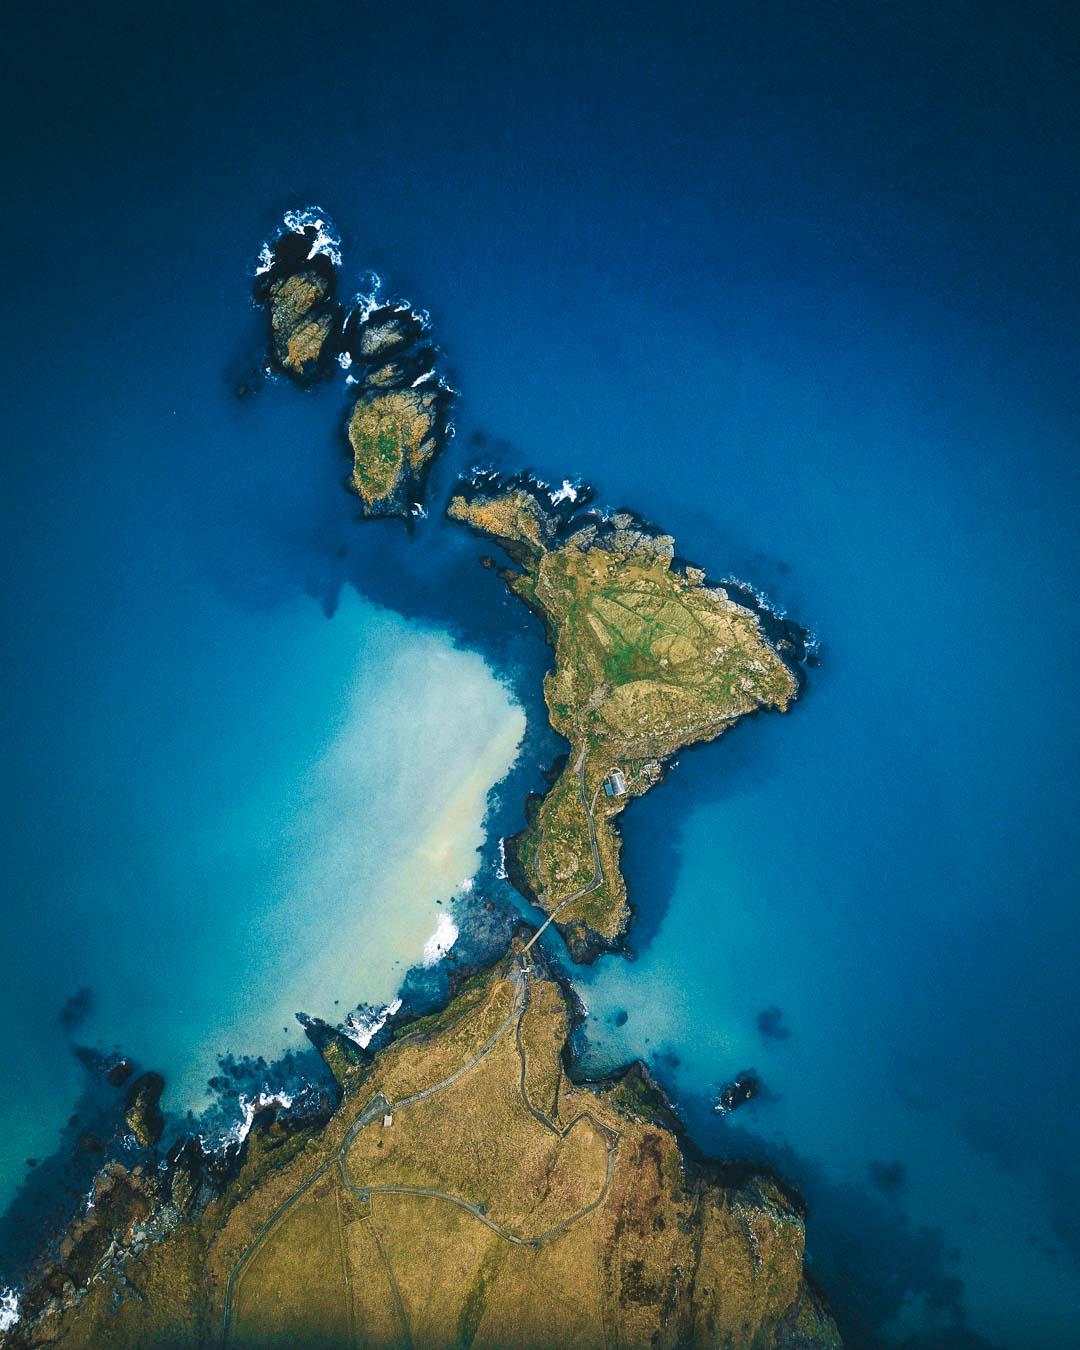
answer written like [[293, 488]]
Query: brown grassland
[[502, 1206]]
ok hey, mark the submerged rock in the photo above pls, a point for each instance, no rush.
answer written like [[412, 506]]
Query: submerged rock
[[141, 1110], [770, 1022]]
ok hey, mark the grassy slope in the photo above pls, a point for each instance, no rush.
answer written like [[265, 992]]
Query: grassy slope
[[648, 660], [665, 1256]]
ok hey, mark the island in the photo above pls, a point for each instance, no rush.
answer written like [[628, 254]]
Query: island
[[398, 416], [465, 1192], [649, 659]]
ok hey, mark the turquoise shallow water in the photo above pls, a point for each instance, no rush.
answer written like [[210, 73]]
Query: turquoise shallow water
[[805, 296]]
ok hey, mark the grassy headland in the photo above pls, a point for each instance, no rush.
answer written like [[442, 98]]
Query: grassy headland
[[648, 659], [465, 1193]]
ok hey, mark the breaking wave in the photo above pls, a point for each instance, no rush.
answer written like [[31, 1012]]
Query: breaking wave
[[326, 241], [9, 1309], [309, 221], [249, 1109], [440, 942], [365, 1023]]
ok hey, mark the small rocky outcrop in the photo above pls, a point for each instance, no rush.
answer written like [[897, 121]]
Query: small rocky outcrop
[[743, 1088], [300, 321], [297, 286], [117, 1074], [142, 1111], [394, 436], [398, 422]]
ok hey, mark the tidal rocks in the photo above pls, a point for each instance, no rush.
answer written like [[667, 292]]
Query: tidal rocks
[[142, 1111], [743, 1088], [121, 1200], [119, 1072]]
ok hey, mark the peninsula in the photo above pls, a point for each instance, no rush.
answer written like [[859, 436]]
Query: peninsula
[[649, 659], [466, 1192]]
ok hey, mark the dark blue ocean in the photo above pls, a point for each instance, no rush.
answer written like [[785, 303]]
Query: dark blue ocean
[[798, 283]]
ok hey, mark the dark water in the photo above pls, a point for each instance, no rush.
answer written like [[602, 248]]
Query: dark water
[[800, 287]]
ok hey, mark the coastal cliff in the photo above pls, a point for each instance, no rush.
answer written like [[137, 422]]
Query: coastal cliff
[[649, 659], [465, 1192]]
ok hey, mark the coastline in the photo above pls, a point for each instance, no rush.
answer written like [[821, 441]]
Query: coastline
[[188, 1164], [552, 522]]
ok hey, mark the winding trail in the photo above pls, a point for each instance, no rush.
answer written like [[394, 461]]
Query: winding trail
[[380, 1105]]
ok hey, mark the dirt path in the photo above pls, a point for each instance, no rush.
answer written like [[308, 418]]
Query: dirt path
[[380, 1105]]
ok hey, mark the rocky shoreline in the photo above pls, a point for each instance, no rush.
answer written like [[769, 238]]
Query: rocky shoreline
[[140, 1223], [651, 657], [397, 422]]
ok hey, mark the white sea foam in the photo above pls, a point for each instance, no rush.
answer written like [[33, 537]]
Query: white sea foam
[[440, 942], [500, 866], [368, 300], [758, 594], [351, 379], [567, 493], [360, 1026], [325, 241], [249, 1108], [344, 360], [423, 379], [266, 260], [466, 886], [9, 1309]]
